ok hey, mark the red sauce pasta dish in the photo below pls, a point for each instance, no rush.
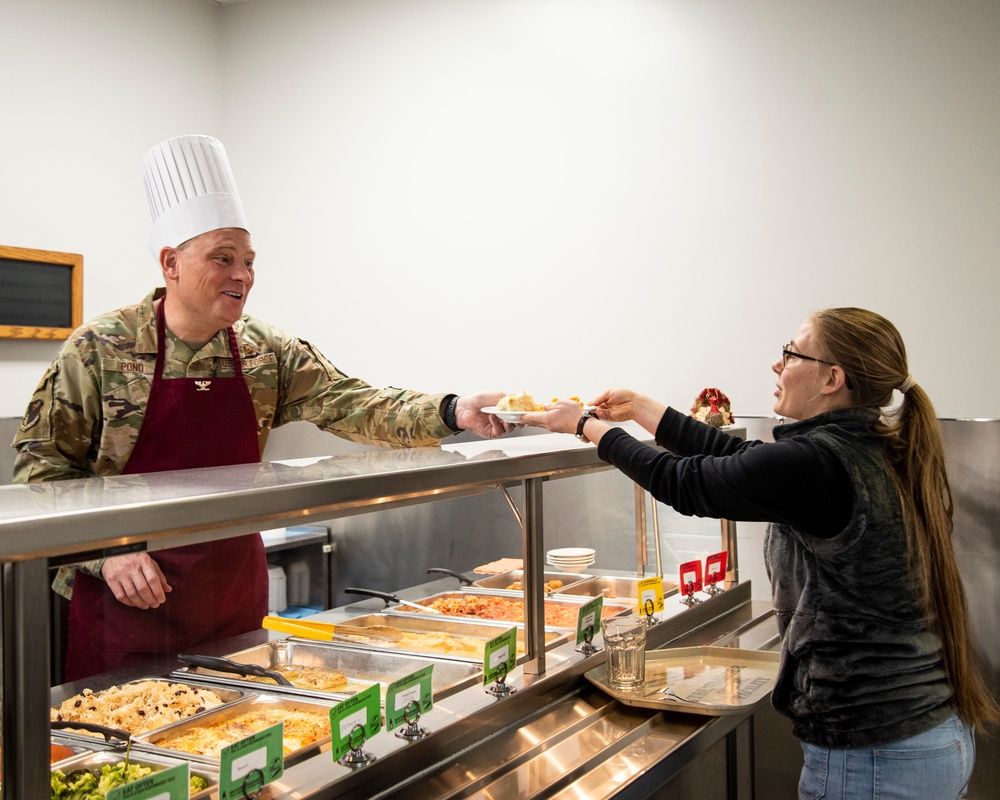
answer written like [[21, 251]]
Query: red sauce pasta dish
[[510, 610]]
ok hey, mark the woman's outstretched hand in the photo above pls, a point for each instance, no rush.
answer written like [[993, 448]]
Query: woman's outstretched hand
[[559, 417], [612, 405], [615, 405]]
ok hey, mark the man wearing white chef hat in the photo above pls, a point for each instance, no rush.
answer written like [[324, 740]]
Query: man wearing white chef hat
[[185, 379]]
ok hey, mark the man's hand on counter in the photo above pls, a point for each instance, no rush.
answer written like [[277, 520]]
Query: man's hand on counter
[[136, 580]]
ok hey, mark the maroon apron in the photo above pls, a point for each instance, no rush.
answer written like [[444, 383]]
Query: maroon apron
[[219, 589]]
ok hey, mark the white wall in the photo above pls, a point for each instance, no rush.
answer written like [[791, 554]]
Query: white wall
[[538, 194], [86, 89]]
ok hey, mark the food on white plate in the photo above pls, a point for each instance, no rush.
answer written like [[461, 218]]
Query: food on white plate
[[524, 401], [136, 707], [713, 408], [518, 402]]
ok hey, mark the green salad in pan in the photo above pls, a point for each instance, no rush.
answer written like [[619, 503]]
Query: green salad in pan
[[85, 784]]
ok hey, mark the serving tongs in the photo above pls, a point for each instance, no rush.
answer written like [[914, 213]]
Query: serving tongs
[[463, 579], [391, 598], [329, 632], [220, 664], [116, 737]]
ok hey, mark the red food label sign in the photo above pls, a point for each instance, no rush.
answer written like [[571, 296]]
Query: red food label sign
[[715, 567], [690, 575]]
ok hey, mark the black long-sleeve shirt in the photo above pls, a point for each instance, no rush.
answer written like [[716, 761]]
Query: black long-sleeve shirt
[[861, 663], [710, 473]]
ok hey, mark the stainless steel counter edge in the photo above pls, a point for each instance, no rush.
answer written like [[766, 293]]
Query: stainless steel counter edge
[[59, 518]]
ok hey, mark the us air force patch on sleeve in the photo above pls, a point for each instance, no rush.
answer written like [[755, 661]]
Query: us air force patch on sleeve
[[32, 415]]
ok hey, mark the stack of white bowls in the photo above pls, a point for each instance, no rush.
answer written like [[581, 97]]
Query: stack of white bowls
[[571, 559]]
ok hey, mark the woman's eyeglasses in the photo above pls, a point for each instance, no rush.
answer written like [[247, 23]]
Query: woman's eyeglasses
[[787, 354]]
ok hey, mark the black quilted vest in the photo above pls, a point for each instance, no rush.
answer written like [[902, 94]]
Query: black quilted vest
[[859, 664]]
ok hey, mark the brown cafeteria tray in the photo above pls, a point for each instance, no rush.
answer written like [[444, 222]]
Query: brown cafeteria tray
[[624, 588], [160, 739], [479, 630], [96, 759], [568, 605], [698, 680], [361, 666]]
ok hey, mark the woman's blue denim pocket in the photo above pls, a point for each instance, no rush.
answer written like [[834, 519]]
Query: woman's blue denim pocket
[[934, 765]]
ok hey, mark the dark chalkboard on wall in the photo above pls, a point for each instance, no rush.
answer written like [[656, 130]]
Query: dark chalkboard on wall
[[41, 293]]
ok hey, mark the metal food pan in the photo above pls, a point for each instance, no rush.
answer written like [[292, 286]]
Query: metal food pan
[[96, 759], [560, 613], [505, 579], [611, 587], [226, 695], [469, 627], [361, 666], [276, 708]]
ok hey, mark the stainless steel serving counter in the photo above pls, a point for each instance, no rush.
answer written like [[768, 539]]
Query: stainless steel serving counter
[[60, 522], [559, 736], [556, 736]]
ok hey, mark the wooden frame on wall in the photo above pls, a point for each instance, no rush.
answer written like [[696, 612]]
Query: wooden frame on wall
[[41, 293]]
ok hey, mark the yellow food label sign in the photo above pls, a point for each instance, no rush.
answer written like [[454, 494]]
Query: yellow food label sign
[[650, 590]]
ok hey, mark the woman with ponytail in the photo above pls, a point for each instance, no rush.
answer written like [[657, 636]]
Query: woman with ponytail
[[877, 670]]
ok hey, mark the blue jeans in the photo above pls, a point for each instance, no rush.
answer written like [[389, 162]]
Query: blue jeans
[[934, 765]]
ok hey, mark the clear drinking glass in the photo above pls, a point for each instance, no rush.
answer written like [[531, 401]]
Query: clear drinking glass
[[625, 651]]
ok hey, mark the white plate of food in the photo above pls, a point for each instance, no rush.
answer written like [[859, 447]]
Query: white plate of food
[[515, 416], [506, 416]]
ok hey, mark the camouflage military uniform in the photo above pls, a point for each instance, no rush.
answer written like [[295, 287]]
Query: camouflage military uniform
[[84, 418]]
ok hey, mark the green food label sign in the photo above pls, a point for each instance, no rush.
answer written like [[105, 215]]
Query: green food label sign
[[588, 621], [168, 784], [414, 688], [249, 764], [364, 710], [500, 656]]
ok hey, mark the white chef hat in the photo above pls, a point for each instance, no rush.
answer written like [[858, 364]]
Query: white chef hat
[[191, 190]]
